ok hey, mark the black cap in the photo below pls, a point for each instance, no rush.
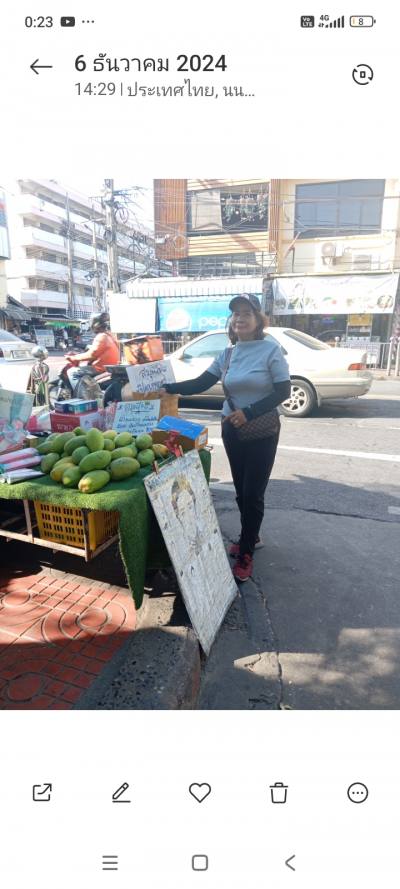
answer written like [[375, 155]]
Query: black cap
[[248, 297]]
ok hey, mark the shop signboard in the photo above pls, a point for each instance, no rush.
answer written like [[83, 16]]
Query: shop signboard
[[198, 314], [136, 417], [335, 294], [182, 503]]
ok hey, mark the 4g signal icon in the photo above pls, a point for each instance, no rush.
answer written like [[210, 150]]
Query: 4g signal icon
[[336, 23]]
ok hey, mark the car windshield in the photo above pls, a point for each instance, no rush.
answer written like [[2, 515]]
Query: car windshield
[[306, 340], [6, 337]]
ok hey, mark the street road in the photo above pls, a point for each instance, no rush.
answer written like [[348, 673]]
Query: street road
[[320, 625]]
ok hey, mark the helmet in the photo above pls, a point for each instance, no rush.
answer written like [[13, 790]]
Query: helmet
[[39, 352], [99, 319]]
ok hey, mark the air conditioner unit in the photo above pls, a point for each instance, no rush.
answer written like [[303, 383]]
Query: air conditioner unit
[[332, 249], [363, 261]]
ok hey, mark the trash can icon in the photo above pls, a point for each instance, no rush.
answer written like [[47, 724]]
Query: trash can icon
[[278, 792]]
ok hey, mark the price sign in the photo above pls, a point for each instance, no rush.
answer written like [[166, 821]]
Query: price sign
[[150, 377], [136, 416]]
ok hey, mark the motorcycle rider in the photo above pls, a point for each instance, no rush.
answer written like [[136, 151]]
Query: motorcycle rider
[[103, 350]]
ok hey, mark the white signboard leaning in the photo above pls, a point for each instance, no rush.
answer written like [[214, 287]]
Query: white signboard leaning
[[182, 503]]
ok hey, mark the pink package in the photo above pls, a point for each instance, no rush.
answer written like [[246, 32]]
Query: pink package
[[18, 455], [22, 464]]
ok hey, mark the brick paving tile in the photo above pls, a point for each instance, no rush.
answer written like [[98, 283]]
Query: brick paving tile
[[56, 636]]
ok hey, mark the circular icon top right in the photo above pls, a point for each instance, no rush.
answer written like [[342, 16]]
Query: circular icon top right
[[357, 792], [362, 74]]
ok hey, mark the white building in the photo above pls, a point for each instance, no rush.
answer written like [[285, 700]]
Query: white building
[[54, 268]]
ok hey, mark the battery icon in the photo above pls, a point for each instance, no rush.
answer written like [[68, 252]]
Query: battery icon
[[362, 21]]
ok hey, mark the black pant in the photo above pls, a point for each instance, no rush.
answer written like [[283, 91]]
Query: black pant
[[251, 465]]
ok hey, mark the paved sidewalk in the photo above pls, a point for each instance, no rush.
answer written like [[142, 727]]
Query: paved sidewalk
[[57, 636], [318, 626]]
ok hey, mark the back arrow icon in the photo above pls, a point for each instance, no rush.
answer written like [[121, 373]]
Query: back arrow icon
[[34, 66], [288, 860]]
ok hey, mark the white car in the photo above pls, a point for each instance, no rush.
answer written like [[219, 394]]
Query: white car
[[12, 348], [318, 372]]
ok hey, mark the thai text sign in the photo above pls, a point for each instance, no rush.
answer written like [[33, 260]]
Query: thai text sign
[[150, 377], [136, 416]]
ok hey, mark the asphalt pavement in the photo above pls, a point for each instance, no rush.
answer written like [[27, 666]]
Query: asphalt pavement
[[319, 624]]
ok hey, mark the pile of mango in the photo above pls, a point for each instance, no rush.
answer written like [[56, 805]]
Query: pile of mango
[[90, 460]]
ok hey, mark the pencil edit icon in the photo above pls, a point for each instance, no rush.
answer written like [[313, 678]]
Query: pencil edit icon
[[119, 792]]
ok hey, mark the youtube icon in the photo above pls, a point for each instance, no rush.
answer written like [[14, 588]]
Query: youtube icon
[[67, 21]]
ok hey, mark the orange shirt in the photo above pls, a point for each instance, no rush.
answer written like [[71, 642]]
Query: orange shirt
[[104, 350]]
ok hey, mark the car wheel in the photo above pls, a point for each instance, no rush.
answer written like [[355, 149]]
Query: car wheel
[[301, 402]]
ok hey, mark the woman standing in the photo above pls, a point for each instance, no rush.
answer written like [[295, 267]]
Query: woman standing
[[256, 379]]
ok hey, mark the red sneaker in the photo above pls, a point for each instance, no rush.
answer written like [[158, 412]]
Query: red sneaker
[[234, 550], [243, 568]]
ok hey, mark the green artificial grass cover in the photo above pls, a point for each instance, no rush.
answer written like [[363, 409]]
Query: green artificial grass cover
[[140, 540]]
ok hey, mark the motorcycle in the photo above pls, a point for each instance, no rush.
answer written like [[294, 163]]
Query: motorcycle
[[89, 385]]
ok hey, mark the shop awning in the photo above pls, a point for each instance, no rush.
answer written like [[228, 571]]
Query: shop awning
[[15, 311], [64, 323], [189, 288]]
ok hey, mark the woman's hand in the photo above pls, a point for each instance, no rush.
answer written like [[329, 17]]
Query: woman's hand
[[237, 418]]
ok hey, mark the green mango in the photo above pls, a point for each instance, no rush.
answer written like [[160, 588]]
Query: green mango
[[123, 452], [79, 454], [48, 461], [93, 481], [108, 444], [94, 440], [146, 457], [123, 439], [124, 467], [59, 443], [79, 431], [71, 476], [96, 460], [144, 442], [59, 468], [76, 442]]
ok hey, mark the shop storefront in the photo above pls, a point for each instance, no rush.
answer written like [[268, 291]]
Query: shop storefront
[[337, 306]]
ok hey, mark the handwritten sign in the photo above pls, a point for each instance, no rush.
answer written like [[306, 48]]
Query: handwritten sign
[[150, 377], [136, 416], [183, 507]]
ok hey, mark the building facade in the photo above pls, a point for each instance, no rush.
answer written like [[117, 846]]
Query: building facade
[[216, 227], [331, 247], [59, 249], [338, 257]]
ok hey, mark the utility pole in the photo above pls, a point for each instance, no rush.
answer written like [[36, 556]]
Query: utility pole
[[111, 231], [97, 282], [70, 284]]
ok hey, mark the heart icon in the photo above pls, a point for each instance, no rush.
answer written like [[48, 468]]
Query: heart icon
[[200, 791]]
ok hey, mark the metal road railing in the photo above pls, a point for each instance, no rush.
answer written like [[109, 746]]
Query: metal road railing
[[380, 356]]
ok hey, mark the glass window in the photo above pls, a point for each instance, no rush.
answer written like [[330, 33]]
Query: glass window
[[351, 207], [226, 210], [305, 340], [207, 347]]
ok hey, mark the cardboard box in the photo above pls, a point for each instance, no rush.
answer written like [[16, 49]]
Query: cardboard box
[[191, 435], [76, 406], [69, 422]]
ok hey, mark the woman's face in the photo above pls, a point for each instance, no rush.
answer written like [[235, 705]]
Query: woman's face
[[244, 321]]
